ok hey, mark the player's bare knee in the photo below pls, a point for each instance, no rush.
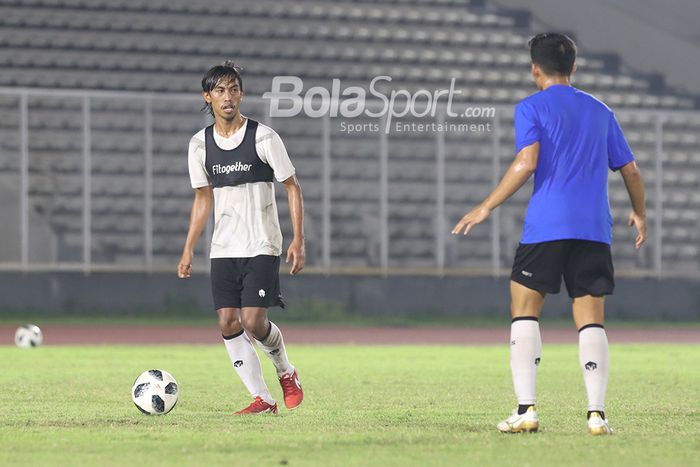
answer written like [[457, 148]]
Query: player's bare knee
[[588, 310], [230, 327], [250, 323], [229, 322]]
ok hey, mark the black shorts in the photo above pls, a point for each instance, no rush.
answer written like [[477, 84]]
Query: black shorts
[[246, 282], [587, 267]]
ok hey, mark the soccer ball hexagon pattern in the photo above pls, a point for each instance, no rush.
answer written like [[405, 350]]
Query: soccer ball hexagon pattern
[[155, 392], [28, 336]]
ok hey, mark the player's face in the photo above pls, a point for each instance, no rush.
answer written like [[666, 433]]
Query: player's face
[[225, 99]]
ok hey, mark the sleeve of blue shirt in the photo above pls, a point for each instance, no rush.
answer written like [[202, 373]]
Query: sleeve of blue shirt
[[619, 152], [527, 128]]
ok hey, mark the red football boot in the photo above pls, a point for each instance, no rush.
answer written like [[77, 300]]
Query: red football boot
[[291, 388], [258, 406]]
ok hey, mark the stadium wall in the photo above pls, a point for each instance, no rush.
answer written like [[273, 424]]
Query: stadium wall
[[119, 294], [41, 243], [653, 37]]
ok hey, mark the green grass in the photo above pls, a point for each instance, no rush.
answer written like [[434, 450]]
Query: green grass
[[384, 406]]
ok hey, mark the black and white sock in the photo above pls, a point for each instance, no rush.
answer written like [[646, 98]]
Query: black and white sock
[[273, 346], [525, 354], [594, 358], [245, 361]]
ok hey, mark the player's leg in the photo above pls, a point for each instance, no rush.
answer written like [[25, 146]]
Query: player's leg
[[525, 354], [525, 342], [261, 290], [226, 290], [589, 277], [536, 272], [229, 321], [594, 358], [244, 358], [269, 338]]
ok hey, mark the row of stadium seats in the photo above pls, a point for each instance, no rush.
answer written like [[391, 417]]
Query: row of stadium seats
[[152, 82], [250, 27], [366, 13], [128, 250], [17, 54], [60, 187]]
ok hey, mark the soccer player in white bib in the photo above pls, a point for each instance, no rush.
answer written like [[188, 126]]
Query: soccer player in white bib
[[570, 141], [234, 163]]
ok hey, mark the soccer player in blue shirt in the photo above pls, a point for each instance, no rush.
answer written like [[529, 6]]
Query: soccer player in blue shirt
[[569, 140]]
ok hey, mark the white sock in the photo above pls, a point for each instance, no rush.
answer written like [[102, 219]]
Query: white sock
[[595, 361], [525, 354], [273, 346], [245, 361]]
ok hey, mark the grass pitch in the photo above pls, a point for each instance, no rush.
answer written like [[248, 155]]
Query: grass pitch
[[364, 406]]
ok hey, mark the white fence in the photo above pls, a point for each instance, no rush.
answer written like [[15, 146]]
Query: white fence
[[24, 110]]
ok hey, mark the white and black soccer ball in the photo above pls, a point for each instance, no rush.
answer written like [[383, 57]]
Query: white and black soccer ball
[[155, 392], [28, 336]]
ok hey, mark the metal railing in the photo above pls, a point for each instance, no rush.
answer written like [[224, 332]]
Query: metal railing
[[18, 99]]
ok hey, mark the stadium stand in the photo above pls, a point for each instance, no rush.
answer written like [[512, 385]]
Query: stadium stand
[[164, 46]]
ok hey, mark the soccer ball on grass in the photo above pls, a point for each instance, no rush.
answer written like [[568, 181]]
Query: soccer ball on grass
[[155, 392], [28, 335]]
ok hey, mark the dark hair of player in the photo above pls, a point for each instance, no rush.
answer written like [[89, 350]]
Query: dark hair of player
[[227, 71], [554, 53]]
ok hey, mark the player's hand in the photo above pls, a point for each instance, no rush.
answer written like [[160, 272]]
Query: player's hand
[[184, 267], [640, 223], [297, 253], [476, 216]]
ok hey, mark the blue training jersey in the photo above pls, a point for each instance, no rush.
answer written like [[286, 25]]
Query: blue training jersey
[[580, 140]]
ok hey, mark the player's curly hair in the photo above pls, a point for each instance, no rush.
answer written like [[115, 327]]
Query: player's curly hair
[[227, 71]]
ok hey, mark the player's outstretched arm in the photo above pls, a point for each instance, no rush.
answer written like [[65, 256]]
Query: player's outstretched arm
[[297, 250], [635, 188], [515, 177], [201, 208]]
